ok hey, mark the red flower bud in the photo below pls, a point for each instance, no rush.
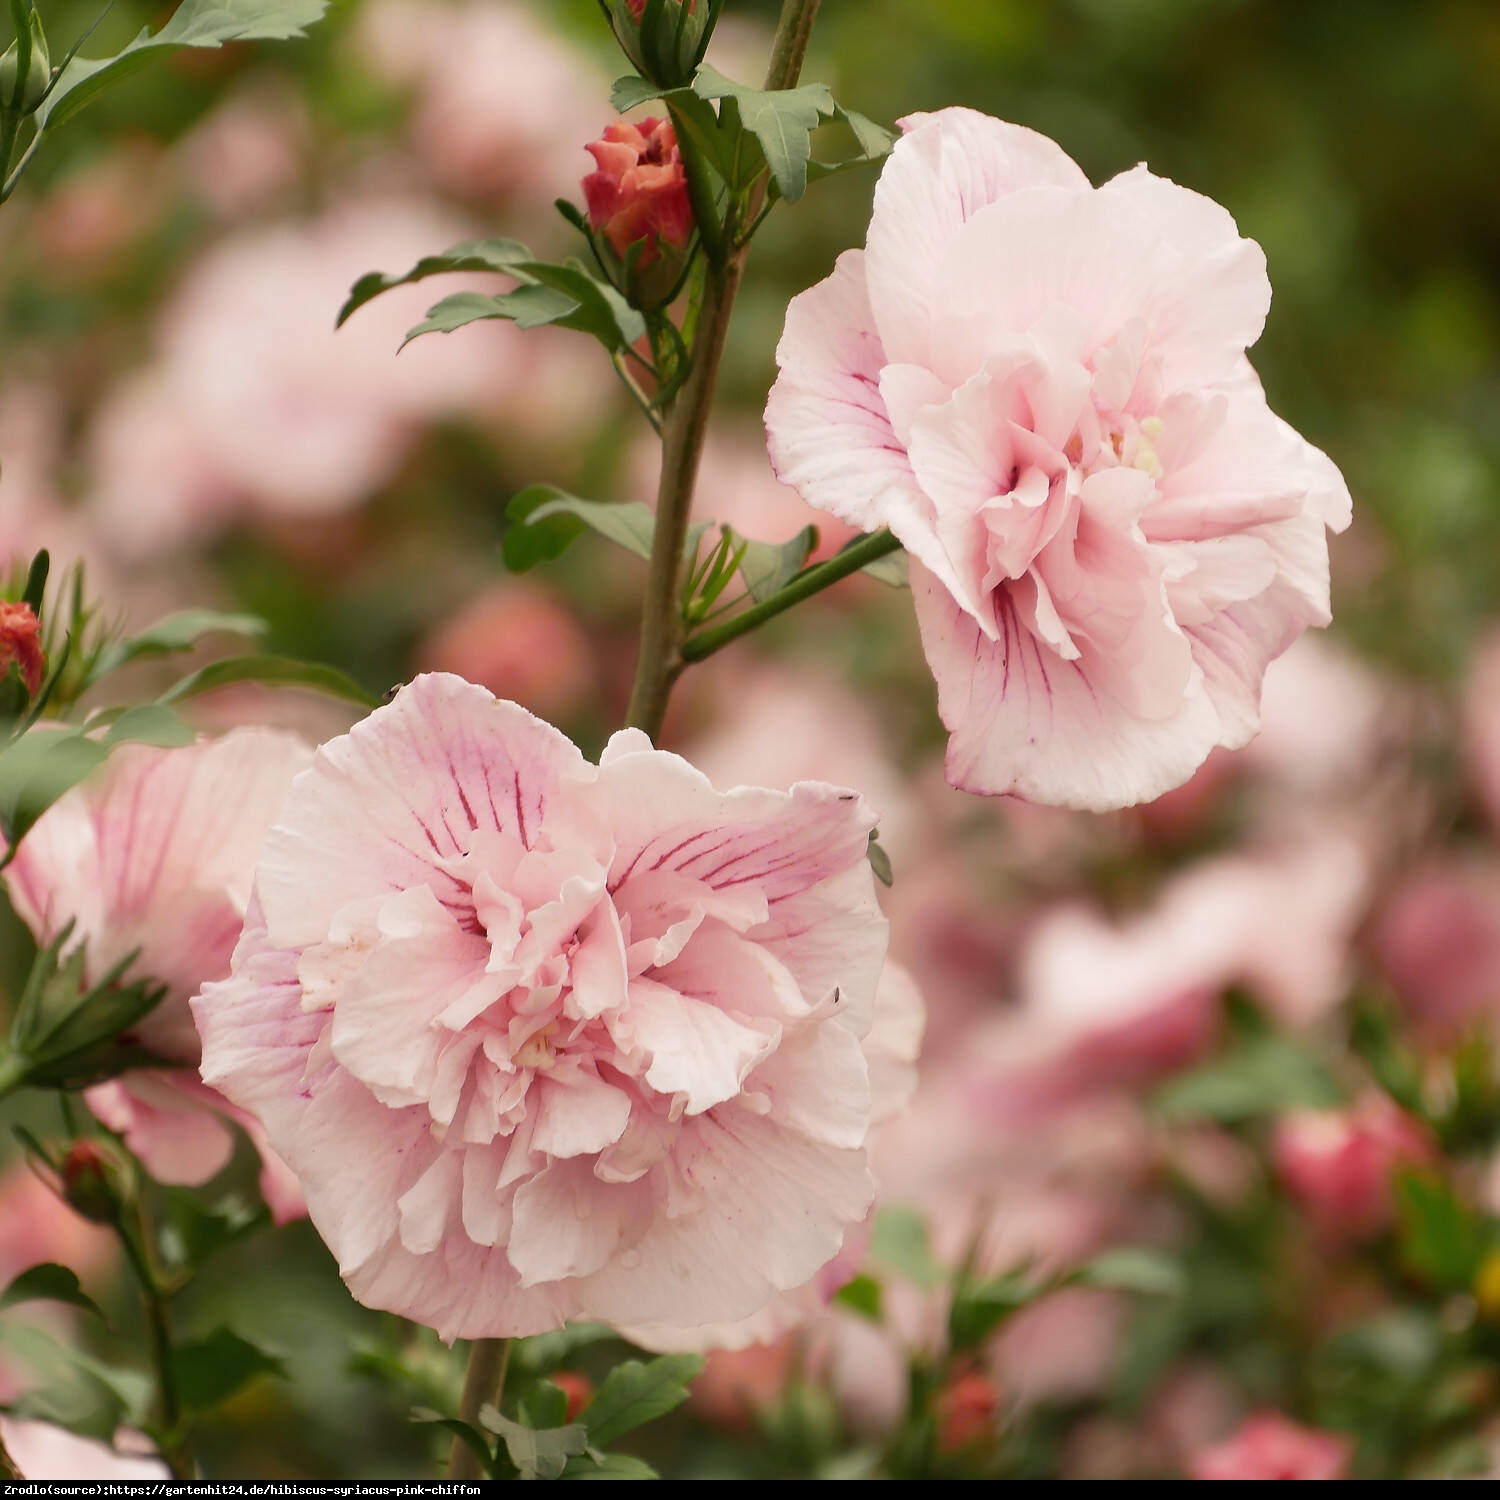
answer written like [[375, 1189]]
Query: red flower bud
[[577, 1387], [966, 1409], [21, 643], [639, 195]]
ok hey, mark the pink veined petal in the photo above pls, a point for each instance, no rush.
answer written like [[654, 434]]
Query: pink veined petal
[[464, 1290], [832, 939], [827, 429], [386, 1028], [665, 815], [1023, 721], [156, 853], [818, 1085], [567, 1223], [772, 1208], [695, 1049], [946, 167], [1017, 260], [382, 807], [579, 1115], [1204, 318]]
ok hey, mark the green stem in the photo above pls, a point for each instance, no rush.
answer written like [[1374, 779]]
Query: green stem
[[173, 1446], [484, 1385], [13, 1070], [661, 659], [793, 33], [807, 583]]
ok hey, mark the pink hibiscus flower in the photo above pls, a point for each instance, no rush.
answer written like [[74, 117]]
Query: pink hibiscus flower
[[544, 1040], [156, 853], [1041, 388]]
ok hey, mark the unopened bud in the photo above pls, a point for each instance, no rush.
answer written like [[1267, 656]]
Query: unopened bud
[[21, 643], [38, 74], [638, 200], [666, 44], [577, 1387], [97, 1180]]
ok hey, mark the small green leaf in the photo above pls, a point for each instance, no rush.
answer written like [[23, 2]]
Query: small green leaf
[[630, 91], [1442, 1240], [1134, 1268], [864, 1296], [880, 861], [179, 632], [36, 581], [271, 671], [536, 1455], [471, 1437], [900, 1243], [36, 770], [149, 724], [544, 1405], [979, 1308], [634, 1393], [767, 567], [781, 120], [67, 1388], [196, 23], [546, 1351], [1265, 1076], [893, 569], [48, 1283], [214, 1369], [499, 256], [608, 1466], [544, 521]]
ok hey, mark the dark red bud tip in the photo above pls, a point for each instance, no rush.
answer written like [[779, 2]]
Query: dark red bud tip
[[95, 1181]]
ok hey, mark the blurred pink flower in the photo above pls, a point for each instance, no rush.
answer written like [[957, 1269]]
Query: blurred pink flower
[[246, 153], [1042, 389], [1062, 1348], [36, 1226], [501, 101], [271, 408], [1438, 940], [1321, 715], [1271, 1446], [1482, 722], [156, 853], [777, 726], [1338, 1164], [547, 1040], [521, 643], [44, 1452]]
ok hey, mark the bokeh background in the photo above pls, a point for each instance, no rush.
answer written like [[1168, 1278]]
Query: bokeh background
[[1126, 1013]]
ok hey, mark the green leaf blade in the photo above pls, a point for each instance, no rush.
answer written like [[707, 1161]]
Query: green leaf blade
[[634, 1393]]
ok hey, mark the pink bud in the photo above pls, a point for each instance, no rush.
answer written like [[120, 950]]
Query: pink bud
[[1271, 1446], [639, 194], [21, 643], [1338, 1163]]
